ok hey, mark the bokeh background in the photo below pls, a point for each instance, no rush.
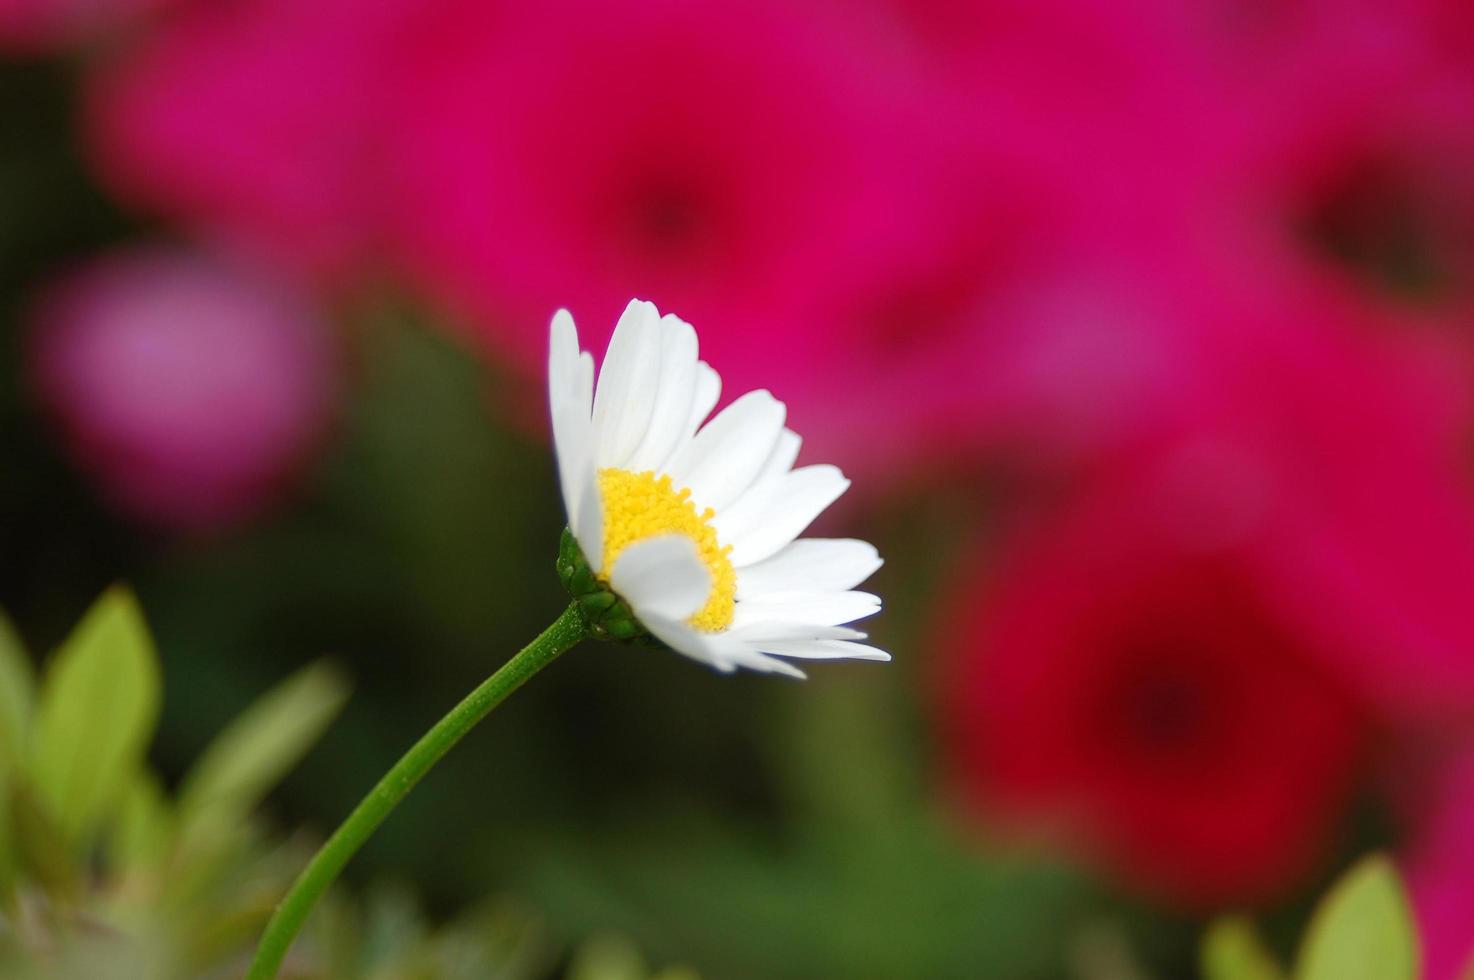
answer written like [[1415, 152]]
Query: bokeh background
[[1145, 329]]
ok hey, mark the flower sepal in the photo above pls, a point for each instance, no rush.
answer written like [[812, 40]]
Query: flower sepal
[[608, 616]]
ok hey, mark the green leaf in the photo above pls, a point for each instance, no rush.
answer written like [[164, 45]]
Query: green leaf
[[16, 694], [608, 957], [1232, 950], [1362, 930], [99, 704], [145, 825], [261, 746], [8, 854], [40, 847]]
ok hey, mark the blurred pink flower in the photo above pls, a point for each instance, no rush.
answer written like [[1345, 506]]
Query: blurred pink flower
[[1361, 191], [190, 389], [1355, 496], [1284, 63], [1136, 691], [253, 122], [38, 26], [980, 346], [1439, 865], [824, 201], [1285, 429], [587, 152]]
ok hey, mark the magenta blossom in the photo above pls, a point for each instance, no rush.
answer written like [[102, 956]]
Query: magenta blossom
[[842, 228], [1360, 193], [255, 123], [1336, 467], [191, 390], [587, 152], [1263, 67]]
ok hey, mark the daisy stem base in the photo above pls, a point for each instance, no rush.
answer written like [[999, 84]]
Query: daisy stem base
[[324, 867]]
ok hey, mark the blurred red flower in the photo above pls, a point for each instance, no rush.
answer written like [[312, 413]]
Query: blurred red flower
[[1138, 691], [191, 389], [1182, 660]]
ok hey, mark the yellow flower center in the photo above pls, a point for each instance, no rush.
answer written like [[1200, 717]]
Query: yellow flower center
[[642, 505]]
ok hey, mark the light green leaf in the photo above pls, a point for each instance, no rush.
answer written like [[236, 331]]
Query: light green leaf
[[1232, 950], [145, 825], [1362, 930], [608, 956], [261, 746], [40, 846], [8, 854], [16, 694], [98, 707]]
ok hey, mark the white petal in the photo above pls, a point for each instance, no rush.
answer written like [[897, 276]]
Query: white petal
[[703, 399], [729, 451], [818, 608], [719, 650], [662, 576], [778, 464], [587, 523], [764, 630], [811, 564], [568, 404], [825, 650], [708, 391], [674, 392], [753, 505], [753, 659], [625, 396], [684, 639], [770, 521]]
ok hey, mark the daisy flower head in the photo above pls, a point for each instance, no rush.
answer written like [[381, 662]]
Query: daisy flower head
[[689, 532]]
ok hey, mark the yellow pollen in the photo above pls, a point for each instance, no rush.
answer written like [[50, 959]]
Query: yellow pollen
[[642, 505]]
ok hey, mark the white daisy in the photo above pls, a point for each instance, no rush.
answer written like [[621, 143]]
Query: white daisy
[[694, 525]]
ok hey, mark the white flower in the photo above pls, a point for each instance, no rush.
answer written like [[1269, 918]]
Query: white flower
[[694, 525]]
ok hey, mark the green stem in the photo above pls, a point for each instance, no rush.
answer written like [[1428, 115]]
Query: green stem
[[287, 920]]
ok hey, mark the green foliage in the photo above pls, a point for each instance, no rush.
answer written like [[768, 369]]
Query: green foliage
[[103, 876], [702, 894], [610, 956], [260, 747], [16, 693], [1232, 950], [99, 704], [103, 882], [145, 825], [1361, 930]]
